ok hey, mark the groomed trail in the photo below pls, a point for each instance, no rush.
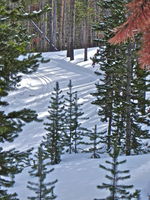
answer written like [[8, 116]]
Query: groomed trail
[[34, 92], [78, 175]]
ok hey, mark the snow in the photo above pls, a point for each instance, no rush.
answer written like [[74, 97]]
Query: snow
[[4, 18], [77, 175], [37, 12]]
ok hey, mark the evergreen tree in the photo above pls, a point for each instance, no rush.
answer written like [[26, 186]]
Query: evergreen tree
[[117, 191], [11, 162], [118, 91], [78, 129], [112, 66], [14, 41], [140, 104], [96, 138], [53, 141], [137, 20], [73, 116], [69, 117], [43, 190]]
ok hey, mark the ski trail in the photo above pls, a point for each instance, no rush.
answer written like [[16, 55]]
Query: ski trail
[[35, 90]]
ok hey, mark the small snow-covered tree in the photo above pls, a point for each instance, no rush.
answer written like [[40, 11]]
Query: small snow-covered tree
[[53, 141], [96, 138], [78, 129], [69, 117], [73, 117], [43, 190], [117, 190]]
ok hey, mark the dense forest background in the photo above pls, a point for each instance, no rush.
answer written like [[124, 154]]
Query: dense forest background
[[119, 100], [66, 22]]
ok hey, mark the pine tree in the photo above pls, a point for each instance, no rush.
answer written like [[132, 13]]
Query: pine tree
[[137, 22], [96, 138], [12, 162], [73, 117], [14, 41], [117, 191], [53, 141], [78, 129], [110, 87], [69, 117], [43, 190], [117, 91]]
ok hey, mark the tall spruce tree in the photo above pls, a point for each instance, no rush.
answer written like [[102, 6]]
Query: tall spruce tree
[[14, 41], [116, 90], [43, 190], [112, 65], [54, 139], [117, 191], [139, 105]]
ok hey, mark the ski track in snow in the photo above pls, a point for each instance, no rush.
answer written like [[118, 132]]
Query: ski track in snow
[[77, 175], [35, 90]]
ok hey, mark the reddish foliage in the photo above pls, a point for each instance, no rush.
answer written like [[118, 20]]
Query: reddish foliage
[[144, 58], [35, 42], [137, 22]]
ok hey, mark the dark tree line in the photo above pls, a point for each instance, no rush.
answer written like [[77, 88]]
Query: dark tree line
[[67, 25], [121, 91], [14, 41]]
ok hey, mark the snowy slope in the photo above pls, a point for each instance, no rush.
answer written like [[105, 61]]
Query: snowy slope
[[77, 175], [35, 89]]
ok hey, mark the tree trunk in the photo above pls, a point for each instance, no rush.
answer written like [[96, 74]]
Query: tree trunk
[[109, 133], [128, 102], [62, 24], [75, 142], [85, 32], [109, 113], [85, 40], [50, 23], [95, 145], [70, 46], [54, 33]]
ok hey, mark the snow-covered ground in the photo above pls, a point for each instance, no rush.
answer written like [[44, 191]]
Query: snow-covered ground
[[77, 175]]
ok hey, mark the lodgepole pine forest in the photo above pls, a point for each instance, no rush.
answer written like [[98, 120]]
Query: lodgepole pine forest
[[75, 99], [68, 22]]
